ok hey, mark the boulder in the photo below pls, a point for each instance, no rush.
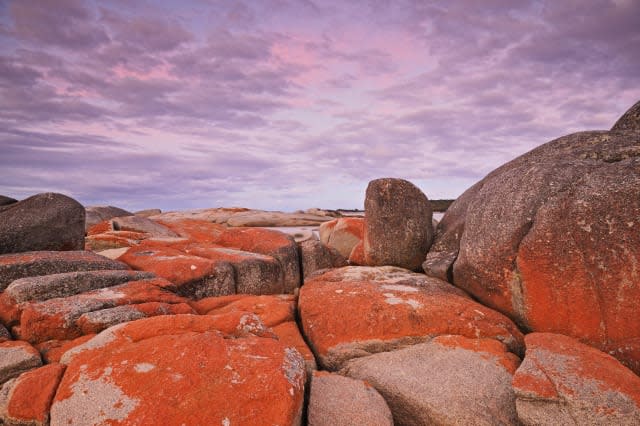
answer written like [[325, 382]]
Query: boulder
[[26, 400], [215, 215], [16, 357], [336, 400], [451, 380], [16, 266], [97, 214], [315, 256], [390, 314], [551, 239], [142, 225], [342, 234], [5, 201], [356, 257], [46, 221], [172, 368], [52, 350], [148, 212], [397, 224], [562, 381], [265, 218]]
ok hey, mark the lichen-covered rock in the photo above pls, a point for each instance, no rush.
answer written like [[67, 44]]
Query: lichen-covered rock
[[143, 225], [349, 319], [336, 400], [451, 380], [315, 256], [562, 381], [97, 214], [16, 357], [397, 224], [342, 234], [26, 400], [551, 239], [172, 368], [46, 221], [31, 264]]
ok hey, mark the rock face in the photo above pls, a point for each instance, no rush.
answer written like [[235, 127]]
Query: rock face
[[562, 381], [5, 201], [391, 312], [46, 221], [451, 380], [398, 229], [17, 357], [342, 234], [172, 368], [97, 214], [342, 401], [550, 239], [315, 256]]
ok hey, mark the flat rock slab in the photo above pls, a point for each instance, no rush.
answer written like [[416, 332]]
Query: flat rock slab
[[172, 368], [26, 400], [337, 400], [562, 381], [30, 264], [16, 357], [451, 380], [349, 319]]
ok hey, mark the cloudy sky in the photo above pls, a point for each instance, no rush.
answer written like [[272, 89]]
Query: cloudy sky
[[288, 104]]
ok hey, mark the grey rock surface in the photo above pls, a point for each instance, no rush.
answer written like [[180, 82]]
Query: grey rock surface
[[97, 214], [16, 357], [316, 256]]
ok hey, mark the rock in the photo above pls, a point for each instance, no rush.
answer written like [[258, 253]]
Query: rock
[[342, 401], [4, 334], [46, 221], [356, 257], [16, 357], [315, 256], [219, 215], [5, 201], [27, 399], [70, 317], [397, 224], [148, 212], [550, 239], [52, 350], [110, 240], [391, 313], [562, 381], [630, 121], [31, 264], [263, 218], [97, 214], [142, 225], [451, 380], [114, 253], [193, 276], [342, 234], [172, 368]]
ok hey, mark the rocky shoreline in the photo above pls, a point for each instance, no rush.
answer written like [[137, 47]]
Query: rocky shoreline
[[519, 307]]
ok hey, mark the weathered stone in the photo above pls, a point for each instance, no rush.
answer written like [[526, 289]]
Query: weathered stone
[[27, 399], [172, 368], [264, 218], [630, 121], [16, 357], [342, 401], [390, 315], [148, 212], [15, 266], [342, 234], [46, 221], [315, 256], [142, 225], [5, 201], [397, 224], [97, 214], [356, 257], [551, 239], [562, 381], [451, 380], [52, 350], [4, 334]]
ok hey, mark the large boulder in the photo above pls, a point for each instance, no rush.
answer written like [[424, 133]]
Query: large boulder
[[397, 224], [46, 221], [562, 381], [352, 317], [180, 370], [451, 380], [97, 214], [551, 239]]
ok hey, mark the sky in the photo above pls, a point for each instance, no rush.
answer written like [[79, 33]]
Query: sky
[[293, 104]]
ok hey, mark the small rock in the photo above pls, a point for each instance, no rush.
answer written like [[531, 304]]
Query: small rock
[[342, 401], [46, 221], [316, 256], [16, 357]]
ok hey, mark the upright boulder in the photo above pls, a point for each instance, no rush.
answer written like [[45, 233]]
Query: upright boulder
[[46, 221], [398, 229], [551, 239]]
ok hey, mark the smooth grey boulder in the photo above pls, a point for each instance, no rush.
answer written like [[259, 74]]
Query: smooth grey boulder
[[97, 214], [46, 221], [398, 228]]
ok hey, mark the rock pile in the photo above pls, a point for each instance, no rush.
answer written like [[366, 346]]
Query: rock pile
[[192, 320]]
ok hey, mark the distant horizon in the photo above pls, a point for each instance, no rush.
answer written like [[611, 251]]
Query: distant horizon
[[288, 105]]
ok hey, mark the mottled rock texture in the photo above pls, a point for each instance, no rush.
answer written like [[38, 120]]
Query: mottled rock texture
[[47, 221], [451, 380], [315, 256], [397, 224], [97, 214], [342, 234], [562, 381], [551, 239], [16, 357]]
